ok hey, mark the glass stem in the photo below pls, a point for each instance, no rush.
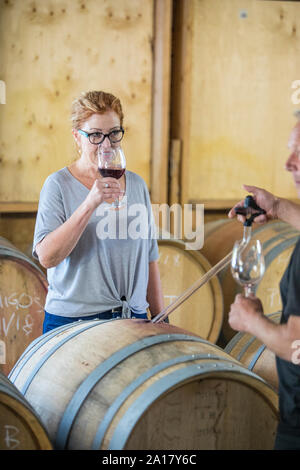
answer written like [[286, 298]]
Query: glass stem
[[249, 290]]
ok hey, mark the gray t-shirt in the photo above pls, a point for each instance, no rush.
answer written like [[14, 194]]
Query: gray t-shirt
[[111, 258]]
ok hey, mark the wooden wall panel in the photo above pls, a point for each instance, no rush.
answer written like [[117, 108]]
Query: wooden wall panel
[[19, 230], [51, 50], [244, 58], [161, 100]]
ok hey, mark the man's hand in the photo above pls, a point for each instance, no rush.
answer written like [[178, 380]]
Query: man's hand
[[244, 313], [264, 200]]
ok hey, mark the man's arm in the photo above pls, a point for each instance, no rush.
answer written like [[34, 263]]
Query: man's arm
[[246, 314], [289, 212]]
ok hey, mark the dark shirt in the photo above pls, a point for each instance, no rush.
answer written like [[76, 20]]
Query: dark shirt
[[288, 372]]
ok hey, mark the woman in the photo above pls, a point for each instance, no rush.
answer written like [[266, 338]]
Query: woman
[[92, 276]]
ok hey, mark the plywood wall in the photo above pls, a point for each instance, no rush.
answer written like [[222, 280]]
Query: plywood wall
[[237, 67], [50, 51]]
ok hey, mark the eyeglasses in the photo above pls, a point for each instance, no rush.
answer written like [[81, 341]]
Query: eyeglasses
[[97, 138]]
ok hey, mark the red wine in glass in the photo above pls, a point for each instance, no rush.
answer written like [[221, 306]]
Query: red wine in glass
[[112, 172]]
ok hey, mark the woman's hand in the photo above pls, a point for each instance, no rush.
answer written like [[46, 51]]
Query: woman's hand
[[104, 189], [263, 199], [244, 313]]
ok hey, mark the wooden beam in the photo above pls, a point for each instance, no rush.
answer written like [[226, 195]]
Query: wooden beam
[[221, 204], [161, 100], [181, 99], [20, 207], [174, 176], [214, 204]]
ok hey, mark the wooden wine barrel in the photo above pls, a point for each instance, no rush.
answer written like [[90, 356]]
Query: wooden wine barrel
[[219, 238], [278, 241], [132, 384], [179, 269], [254, 355], [23, 289], [20, 427]]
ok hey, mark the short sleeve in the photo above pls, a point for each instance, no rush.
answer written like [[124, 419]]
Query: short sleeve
[[153, 251], [51, 213]]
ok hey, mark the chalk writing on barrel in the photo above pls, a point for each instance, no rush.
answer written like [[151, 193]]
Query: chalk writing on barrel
[[18, 319], [10, 436], [2, 352], [273, 295], [19, 301], [14, 319], [171, 298], [175, 258]]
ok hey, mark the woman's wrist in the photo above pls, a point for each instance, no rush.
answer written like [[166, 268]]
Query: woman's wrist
[[88, 206]]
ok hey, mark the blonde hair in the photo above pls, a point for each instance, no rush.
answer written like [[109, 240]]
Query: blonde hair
[[92, 102]]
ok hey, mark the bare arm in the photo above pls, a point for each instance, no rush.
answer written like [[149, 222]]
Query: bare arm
[[246, 314], [289, 212], [154, 290], [275, 207], [57, 245]]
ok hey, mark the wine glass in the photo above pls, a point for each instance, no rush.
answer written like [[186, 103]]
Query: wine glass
[[247, 264], [111, 163]]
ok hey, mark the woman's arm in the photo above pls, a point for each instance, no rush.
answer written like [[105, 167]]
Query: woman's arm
[[154, 290], [57, 245], [247, 315]]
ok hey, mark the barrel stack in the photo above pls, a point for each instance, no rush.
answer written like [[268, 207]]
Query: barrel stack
[[206, 109], [157, 387], [126, 394]]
